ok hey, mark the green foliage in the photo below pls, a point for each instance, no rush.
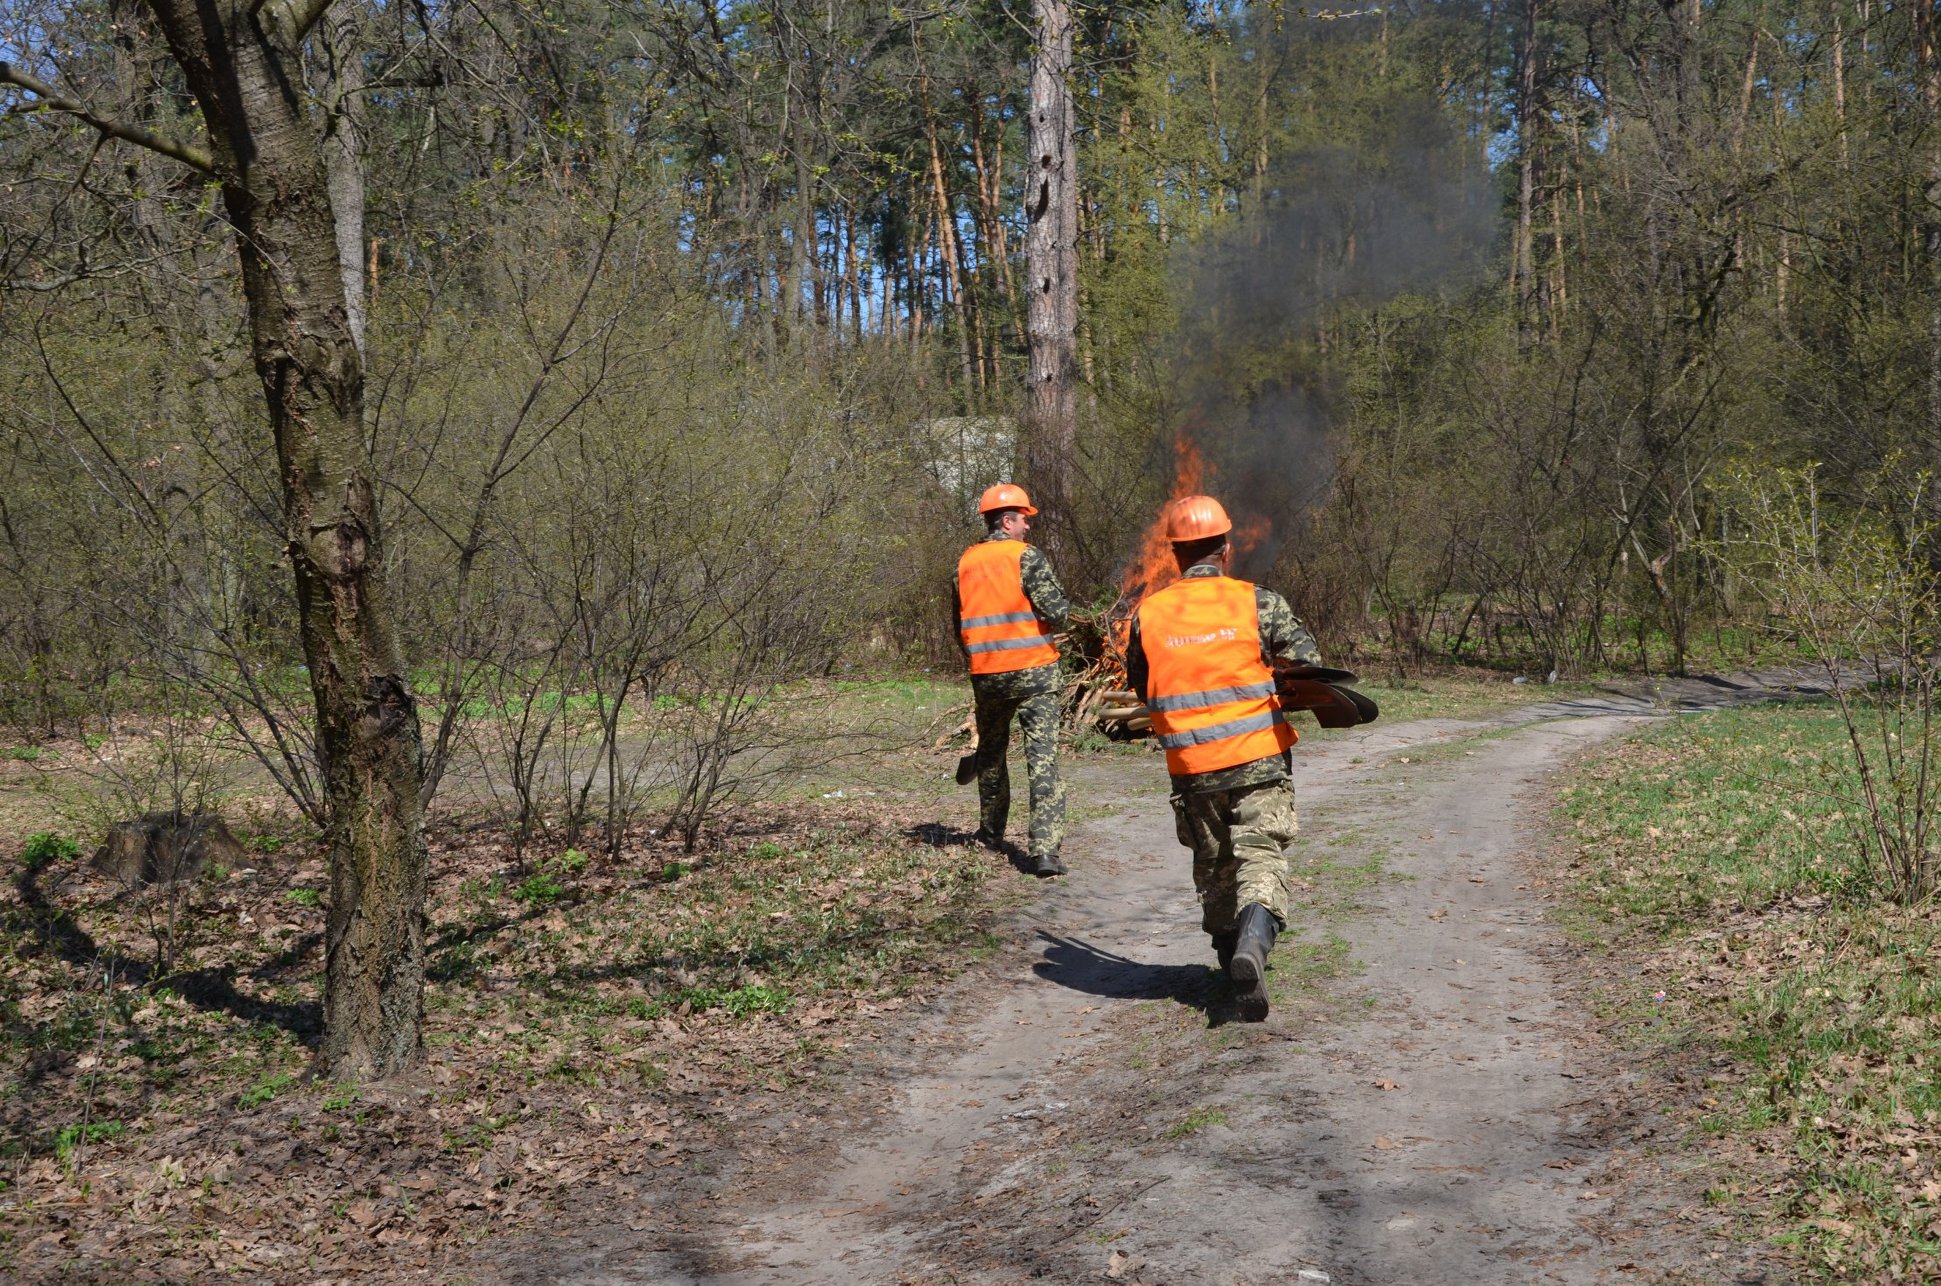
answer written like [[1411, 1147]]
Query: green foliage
[[305, 897], [264, 1091], [43, 848], [70, 1138], [538, 889], [736, 1002], [548, 884], [1855, 582]]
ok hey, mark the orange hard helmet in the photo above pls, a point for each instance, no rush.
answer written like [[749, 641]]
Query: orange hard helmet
[[1196, 518], [1005, 495]]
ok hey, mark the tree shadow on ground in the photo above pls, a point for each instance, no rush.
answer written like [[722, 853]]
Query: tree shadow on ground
[[213, 989], [51, 928]]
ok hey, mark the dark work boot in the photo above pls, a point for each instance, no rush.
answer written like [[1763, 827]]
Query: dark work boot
[[1049, 864], [1223, 944], [1248, 970]]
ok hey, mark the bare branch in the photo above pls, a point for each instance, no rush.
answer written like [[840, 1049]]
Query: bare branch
[[52, 99], [47, 287]]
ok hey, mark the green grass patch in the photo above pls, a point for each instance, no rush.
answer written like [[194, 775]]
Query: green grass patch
[[1724, 849], [1306, 970], [1196, 1120], [264, 1091], [1718, 813]]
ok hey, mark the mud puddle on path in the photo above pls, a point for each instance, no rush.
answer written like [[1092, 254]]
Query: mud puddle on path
[[1076, 1110]]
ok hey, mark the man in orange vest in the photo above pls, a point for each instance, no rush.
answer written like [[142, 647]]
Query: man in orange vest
[[1008, 604], [1200, 654]]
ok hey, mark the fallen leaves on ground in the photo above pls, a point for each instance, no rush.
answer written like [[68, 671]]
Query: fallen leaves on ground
[[577, 1041]]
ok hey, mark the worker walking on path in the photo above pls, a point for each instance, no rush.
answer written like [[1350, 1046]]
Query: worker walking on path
[[1200, 654], [1008, 604]]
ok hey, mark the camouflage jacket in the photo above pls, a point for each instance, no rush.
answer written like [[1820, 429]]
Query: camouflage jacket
[[1282, 636], [1048, 600]]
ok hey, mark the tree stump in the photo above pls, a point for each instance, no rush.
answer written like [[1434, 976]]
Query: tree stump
[[164, 848]]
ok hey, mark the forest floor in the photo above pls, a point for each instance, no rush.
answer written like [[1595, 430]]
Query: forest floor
[[844, 1045], [1438, 1095]]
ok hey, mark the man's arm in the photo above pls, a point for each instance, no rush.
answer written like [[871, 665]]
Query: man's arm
[[1282, 636], [1136, 671], [957, 616], [1042, 588]]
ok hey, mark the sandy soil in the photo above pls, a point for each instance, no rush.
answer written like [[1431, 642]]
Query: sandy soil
[[1079, 1109]]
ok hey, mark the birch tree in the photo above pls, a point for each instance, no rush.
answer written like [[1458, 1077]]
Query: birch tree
[[243, 64]]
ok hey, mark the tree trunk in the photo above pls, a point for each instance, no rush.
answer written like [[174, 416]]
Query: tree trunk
[[344, 155], [1928, 61], [1051, 255], [241, 61], [991, 222], [1523, 270]]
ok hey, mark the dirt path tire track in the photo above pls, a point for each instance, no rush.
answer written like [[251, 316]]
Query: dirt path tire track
[[1065, 1112]]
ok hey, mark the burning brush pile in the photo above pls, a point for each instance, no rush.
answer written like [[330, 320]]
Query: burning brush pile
[[1103, 695]]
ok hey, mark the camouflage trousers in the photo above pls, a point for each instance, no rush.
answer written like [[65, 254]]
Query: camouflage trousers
[[1239, 839], [1037, 716]]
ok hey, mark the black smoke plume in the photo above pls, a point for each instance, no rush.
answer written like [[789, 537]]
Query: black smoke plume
[[1336, 229]]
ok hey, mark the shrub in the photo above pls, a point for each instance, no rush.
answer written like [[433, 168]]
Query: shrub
[[46, 848]]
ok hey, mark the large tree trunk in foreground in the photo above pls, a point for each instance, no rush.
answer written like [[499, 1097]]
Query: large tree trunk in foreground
[[1051, 258], [241, 61]]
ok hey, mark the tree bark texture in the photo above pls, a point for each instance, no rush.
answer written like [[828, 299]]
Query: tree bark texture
[[1051, 258], [242, 64], [344, 154]]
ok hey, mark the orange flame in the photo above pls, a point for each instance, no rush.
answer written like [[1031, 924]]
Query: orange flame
[[1155, 568]]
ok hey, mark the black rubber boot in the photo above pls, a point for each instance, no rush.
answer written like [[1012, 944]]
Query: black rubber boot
[[1248, 970], [1049, 864], [1223, 944]]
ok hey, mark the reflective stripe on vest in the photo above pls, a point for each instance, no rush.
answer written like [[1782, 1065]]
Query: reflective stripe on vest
[[1220, 731], [1002, 618], [999, 629], [1200, 700], [1211, 696]]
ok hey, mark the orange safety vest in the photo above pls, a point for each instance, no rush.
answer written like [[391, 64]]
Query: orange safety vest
[[999, 628], [1211, 696]]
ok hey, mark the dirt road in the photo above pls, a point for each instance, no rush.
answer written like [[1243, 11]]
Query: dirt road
[[1439, 1108]]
